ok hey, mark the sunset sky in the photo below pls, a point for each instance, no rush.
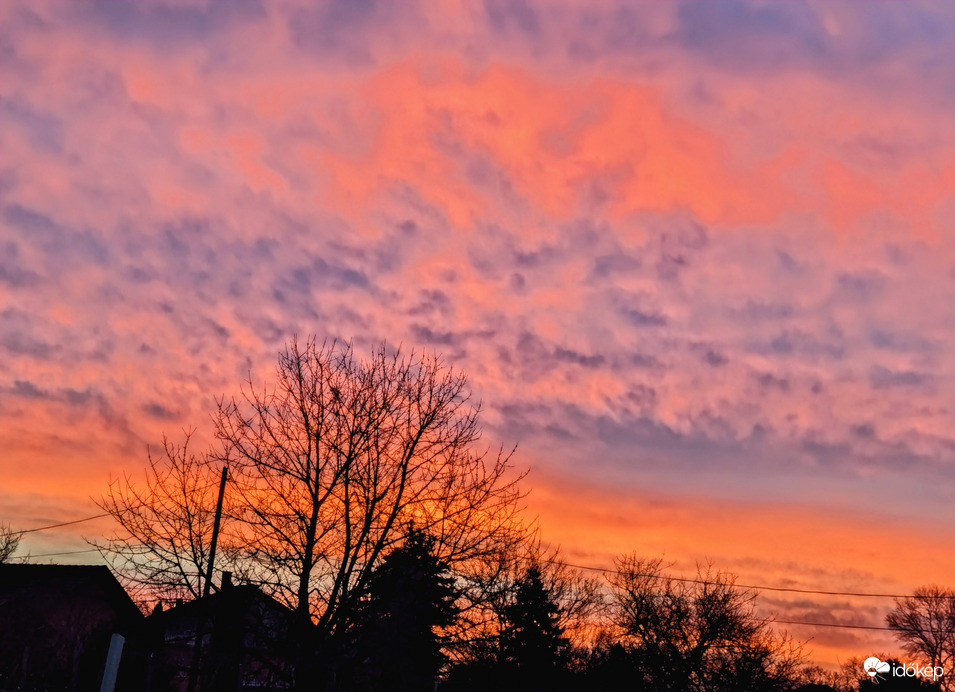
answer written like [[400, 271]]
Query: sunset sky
[[697, 258]]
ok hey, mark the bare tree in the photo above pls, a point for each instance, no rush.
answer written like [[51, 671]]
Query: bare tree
[[9, 542], [330, 465], [696, 634], [165, 525], [925, 624], [333, 462]]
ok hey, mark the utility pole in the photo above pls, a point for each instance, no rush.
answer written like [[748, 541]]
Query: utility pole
[[203, 606], [215, 532]]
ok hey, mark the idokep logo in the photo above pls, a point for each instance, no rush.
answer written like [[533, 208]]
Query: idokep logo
[[874, 668], [877, 670]]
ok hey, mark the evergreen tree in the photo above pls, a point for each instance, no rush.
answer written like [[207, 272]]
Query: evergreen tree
[[410, 596], [531, 639]]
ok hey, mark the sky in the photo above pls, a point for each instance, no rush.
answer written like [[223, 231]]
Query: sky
[[696, 258]]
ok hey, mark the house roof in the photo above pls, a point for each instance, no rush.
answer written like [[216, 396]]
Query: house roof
[[240, 597], [46, 585]]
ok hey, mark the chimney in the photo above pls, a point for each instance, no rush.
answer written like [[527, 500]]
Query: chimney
[[226, 580]]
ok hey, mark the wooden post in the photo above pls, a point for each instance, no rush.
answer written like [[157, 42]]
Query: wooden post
[[113, 658], [24, 667]]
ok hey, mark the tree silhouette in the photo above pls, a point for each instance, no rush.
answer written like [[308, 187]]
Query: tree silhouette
[[700, 634], [410, 599], [9, 542], [925, 624], [165, 523], [340, 455], [543, 626], [531, 637], [328, 465]]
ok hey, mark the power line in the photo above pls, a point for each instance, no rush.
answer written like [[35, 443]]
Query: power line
[[70, 552], [65, 523], [607, 570], [832, 624], [599, 569], [756, 587]]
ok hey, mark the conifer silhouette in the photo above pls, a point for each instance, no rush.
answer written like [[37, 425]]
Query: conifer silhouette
[[410, 597]]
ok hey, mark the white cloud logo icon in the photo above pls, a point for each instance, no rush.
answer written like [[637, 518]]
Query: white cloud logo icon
[[873, 666]]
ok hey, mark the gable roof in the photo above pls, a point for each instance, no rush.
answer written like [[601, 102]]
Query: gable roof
[[44, 586], [246, 599]]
